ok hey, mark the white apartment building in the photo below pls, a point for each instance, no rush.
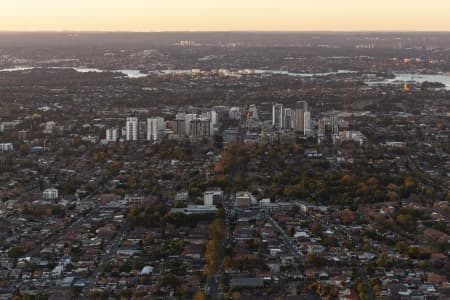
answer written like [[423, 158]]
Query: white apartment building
[[154, 128], [132, 129]]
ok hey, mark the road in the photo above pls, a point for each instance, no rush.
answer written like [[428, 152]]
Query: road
[[287, 239], [110, 250], [363, 276], [212, 282]]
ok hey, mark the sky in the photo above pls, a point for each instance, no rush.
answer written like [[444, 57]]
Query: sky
[[224, 15]]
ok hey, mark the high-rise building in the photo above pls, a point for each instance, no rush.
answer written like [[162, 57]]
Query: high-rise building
[[179, 124], [307, 125], [112, 134], [179, 127], [289, 118], [188, 118], [321, 128], [199, 127], [132, 129], [302, 117], [6, 147], [334, 125], [213, 120], [235, 113], [142, 130], [253, 112], [277, 116], [154, 128]]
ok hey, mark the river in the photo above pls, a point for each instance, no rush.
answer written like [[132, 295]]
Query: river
[[130, 73]]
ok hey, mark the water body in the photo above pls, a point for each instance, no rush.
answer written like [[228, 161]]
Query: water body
[[130, 73], [127, 73], [287, 73], [401, 78], [138, 74], [14, 69], [419, 78]]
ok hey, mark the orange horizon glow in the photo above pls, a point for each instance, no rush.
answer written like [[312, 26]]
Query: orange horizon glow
[[230, 15]]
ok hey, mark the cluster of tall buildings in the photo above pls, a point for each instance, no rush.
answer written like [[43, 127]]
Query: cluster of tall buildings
[[194, 125], [298, 119], [328, 128], [153, 129]]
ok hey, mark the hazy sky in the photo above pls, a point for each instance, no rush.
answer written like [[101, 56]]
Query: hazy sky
[[210, 15]]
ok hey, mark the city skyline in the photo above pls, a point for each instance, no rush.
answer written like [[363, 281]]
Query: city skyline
[[202, 15]]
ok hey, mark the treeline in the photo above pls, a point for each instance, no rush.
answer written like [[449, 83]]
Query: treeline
[[214, 248]]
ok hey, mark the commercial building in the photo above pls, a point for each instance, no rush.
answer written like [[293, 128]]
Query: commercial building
[[244, 199], [289, 118], [307, 124], [335, 125], [277, 116], [321, 130], [302, 118], [199, 127], [212, 197]]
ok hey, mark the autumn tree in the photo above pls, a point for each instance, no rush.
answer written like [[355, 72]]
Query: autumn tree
[[200, 295]]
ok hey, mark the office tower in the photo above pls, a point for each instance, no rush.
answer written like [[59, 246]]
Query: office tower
[[307, 125], [179, 127], [199, 127], [334, 125], [112, 134], [188, 118], [132, 129], [289, 118], [213, 121], [321, 128], [277, 116], [302, 117], [179, 124], [142, 130], [154, 128]]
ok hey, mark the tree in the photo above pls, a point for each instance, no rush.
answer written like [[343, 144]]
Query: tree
[[149, 238], [226, 263], [401, 246], [214, 251], [24, 149], [406, 221], [16, 252], [382, 260], [316, 229], [316, 260]]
